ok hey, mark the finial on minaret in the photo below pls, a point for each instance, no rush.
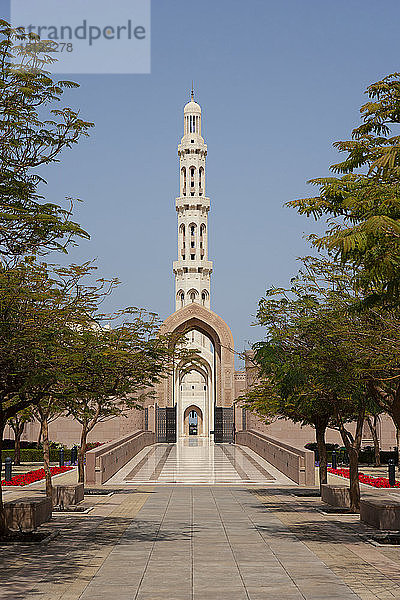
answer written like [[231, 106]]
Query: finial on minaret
[[192, 94]]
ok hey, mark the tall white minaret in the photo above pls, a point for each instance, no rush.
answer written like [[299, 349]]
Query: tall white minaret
[[192, 270]]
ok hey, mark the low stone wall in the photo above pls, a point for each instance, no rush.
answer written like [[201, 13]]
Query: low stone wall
[[27, 514], [68, 495], [381, 513], [336, 495], [296, 463], [103, 462]]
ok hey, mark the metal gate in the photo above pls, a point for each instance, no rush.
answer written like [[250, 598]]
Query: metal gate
[[244, 419], [166, 424], [170, 425], [224, 424]]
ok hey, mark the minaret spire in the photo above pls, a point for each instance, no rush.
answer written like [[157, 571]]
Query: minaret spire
[[192, 270]]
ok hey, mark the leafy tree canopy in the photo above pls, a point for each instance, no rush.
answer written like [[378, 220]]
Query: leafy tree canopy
[[34, 131], [362, 202]]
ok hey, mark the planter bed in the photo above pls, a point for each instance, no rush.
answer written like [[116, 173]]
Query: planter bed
[[33, 476], [385, 539], [378, 482]]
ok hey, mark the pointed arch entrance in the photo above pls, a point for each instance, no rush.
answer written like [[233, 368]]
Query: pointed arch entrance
[[209, 382], [193, 421]]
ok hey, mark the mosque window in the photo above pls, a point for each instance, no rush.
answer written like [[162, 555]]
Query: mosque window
[[192, 244], [183, 256], [192, 256], [192, 228]]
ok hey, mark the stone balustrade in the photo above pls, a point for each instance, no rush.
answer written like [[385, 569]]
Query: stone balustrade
[[103, 462], [296, 463]]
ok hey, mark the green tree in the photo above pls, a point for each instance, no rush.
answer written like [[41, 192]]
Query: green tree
[[286, 392], [109, 371], [362, 202], [34, 131], [310, 357], [39, 313]]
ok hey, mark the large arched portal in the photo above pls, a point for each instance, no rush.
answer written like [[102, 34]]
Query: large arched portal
[[207, 382]]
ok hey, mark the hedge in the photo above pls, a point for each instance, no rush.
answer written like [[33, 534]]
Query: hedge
[[36, 455]]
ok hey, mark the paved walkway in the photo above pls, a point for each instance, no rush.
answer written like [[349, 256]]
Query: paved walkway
[[211, 543], [195, 461], [201, 542]]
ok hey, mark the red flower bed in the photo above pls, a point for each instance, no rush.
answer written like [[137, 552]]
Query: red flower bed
[[378, 482], [32, 476]]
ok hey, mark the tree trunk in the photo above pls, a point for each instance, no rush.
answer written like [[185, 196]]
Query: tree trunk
[[18, 431], [354, 480], [323, 456], [81, 455], [46, 457], [373, 428], [353, 448], [40, 435], [3, 528]]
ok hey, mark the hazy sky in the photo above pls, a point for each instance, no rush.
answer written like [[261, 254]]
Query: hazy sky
[[278, 83]]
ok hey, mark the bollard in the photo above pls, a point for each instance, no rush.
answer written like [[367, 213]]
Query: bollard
[[61, 457], [74, 455], [392, 475], [334, 459], [8, 468]]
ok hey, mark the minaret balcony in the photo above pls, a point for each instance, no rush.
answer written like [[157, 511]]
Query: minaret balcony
[[192, 202]]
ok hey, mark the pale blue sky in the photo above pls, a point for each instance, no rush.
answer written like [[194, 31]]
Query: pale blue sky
[[278, 83]]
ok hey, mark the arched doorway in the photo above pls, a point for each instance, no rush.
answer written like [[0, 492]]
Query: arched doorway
[[193, 421], [212, 374]]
